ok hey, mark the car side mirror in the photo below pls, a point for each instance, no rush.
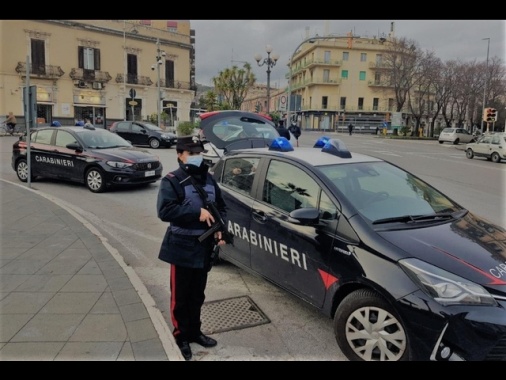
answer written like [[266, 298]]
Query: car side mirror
[[74, 146]]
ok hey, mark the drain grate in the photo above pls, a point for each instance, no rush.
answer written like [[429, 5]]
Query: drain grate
[[231, 314]]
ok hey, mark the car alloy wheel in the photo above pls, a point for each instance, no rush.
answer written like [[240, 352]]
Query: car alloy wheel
[[367, 328], [154, 143], [22, 170], [95, 180]]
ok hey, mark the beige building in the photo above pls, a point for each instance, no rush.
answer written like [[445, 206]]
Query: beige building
[[106, 70], [335, 81]]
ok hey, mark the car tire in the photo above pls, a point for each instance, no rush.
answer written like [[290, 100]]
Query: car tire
[[469, 153], [441, 142], [495, 157], [22, 170], [95, 180], [456, 142], [154, 143], [383, 338]]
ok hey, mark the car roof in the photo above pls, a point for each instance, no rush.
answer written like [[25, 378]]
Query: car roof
[[316, 156]]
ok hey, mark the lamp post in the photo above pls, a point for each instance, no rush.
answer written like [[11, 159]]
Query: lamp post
[[310, 40], [159, 61], [485, 86], [270, 62], [125, 66]]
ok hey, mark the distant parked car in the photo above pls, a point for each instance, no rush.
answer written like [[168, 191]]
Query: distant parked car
[[144, 133], [456, 136], [490, 146]]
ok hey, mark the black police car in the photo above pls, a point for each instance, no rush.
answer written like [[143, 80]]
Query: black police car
[[93, 156], [234, 129], [144, 133], [405, 272]]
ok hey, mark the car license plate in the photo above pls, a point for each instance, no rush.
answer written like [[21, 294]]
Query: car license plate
[[150, 173]]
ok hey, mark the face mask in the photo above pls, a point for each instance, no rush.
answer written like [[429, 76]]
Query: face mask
[[195, 160]]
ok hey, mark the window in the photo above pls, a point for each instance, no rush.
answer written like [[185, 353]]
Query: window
[[131, 68], [325, 100], [326, 76], [38, 57], [360, 103], [123, 127], [342, 102], [377, 78], [88, 58], [361, 75], [136, 128], [299, 191], [326, 56], [344, 74], [169, 74], [375, 103], [379, 59], [346, 55], [63, 138], [363, 57], [43, 137], [240, 173]]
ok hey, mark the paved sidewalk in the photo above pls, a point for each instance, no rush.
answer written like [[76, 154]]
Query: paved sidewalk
[[65, 293]]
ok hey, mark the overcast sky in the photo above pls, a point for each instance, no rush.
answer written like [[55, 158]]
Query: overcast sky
[[219, 42]]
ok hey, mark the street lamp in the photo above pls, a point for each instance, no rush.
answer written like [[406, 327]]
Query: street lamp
[[125, 67], [270, 62], [159, 61], [485, 86]]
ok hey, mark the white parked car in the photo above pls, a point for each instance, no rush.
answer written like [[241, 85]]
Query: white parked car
[[456, 136], [490, 146]]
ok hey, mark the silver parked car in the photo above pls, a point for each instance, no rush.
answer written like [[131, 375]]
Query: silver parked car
[[456, 136], [490, 146]]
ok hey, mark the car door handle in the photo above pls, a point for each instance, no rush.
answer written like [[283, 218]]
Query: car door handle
[[259, 216]]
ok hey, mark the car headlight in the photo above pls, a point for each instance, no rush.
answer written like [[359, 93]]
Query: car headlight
[[119, 164], [166, 136], [445, 287]]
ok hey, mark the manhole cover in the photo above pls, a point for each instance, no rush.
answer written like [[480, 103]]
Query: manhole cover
[[231, 314]]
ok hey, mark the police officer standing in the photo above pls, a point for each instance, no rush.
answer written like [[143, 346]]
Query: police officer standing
[[181, 205]]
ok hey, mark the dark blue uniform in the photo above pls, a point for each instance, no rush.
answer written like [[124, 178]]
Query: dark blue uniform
[[179, 204]]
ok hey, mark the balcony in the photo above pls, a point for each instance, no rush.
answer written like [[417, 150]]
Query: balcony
[[41, 71], [377, 83], [134, 79], [316, 82], [379, 66], [90, 75]]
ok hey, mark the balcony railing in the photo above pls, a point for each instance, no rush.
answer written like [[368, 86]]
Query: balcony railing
[[90, 75], [41, 71], [134, 79]]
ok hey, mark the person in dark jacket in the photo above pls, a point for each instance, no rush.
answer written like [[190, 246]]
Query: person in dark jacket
[[181, 205], [283, 132], [350, 128], [295, 131]]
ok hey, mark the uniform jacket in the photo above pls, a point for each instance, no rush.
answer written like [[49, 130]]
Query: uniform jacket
[[179, 204]]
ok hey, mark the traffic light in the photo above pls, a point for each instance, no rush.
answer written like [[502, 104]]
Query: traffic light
[[492, 115]]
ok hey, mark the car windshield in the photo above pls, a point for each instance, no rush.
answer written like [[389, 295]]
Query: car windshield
[[379, 190], [101, 139]]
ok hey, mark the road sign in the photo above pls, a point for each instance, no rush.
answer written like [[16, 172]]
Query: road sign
[[132, 103], [132, 94]]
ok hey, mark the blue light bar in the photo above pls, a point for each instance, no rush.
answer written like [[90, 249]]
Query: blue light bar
[[281, 144], [321, 142], [337, 148]]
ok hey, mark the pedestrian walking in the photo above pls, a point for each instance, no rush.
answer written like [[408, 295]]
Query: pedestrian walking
[[295, 131], [283, 132], [350, 128], [179, 203]]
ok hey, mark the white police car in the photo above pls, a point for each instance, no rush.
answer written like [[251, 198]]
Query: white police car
[[404, 271]]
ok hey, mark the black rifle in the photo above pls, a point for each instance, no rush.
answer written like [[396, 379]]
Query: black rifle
[[219, 223]]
